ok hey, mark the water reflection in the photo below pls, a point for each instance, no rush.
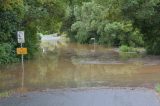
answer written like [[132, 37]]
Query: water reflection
[[76, 66]]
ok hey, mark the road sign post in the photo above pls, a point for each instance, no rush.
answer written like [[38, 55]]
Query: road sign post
[[21, 51], [94, 43]]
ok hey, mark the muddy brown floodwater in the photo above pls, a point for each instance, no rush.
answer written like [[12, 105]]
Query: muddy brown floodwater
[[76, 65]]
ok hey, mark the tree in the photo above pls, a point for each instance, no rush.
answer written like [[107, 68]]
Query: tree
[[32, 16], [11, 14], [145, 15], [41, 16], [92, 20], [70, 18]]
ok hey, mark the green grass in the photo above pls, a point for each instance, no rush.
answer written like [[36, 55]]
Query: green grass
[[5, 94], [157, 88]]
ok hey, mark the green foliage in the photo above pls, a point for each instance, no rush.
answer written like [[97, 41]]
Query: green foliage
[[121, 33], [115, 22], [41, 16], [145, 15], [88, 19], [4, 94], [113, 8], [46, 16], [125, 48], [7, 53], [158, 88], [92, 21], [32, 16], [32, 41], [67, 23], [11, 14], [69, 18]]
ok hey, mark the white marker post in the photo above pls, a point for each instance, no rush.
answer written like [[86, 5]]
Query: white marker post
[[94, 43], [21, 40]]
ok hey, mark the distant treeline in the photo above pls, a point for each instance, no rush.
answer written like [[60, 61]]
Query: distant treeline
[[134, 23]]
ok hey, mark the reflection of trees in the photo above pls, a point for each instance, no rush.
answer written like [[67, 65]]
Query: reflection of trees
[[65, 69], [42, 67], [55, 70]]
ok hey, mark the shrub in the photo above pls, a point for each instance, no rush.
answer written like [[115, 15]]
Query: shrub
[[7, 53], [125, 48], [145, 16], [121, 33], [90, 21]]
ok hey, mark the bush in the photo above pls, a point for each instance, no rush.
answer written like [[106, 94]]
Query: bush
[[121, 33], [125, 48], [31, 41], [91, 21], [145, 16], [87, 21], [30, 16], [153, 45], [7, 53]]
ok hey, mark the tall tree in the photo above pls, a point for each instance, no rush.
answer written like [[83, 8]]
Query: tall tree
[[92, 20], [32, 16], [145, 15], [69, 17], [11, 14]]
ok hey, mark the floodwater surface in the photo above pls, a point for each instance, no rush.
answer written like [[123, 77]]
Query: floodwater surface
[[75, 66]]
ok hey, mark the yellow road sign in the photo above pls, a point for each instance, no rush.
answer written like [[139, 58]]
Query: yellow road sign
[[22, 51]]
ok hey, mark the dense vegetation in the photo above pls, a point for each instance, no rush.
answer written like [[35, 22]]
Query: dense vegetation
[[145, 15], [92, 21], [32, 16], [133, 23]]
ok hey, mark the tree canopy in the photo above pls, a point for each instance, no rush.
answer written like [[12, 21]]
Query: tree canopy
[[145, 15], [117, 22], [32, 16]]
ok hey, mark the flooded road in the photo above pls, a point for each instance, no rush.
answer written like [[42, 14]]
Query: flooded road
[[75, 66]]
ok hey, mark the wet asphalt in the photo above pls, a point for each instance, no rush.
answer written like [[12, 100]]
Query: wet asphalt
[[86, 97]]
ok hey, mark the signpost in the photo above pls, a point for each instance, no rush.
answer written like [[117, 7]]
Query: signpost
[[21, 51]]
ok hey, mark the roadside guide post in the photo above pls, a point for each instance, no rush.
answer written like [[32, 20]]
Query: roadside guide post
[[21, 51], [94, 43]]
